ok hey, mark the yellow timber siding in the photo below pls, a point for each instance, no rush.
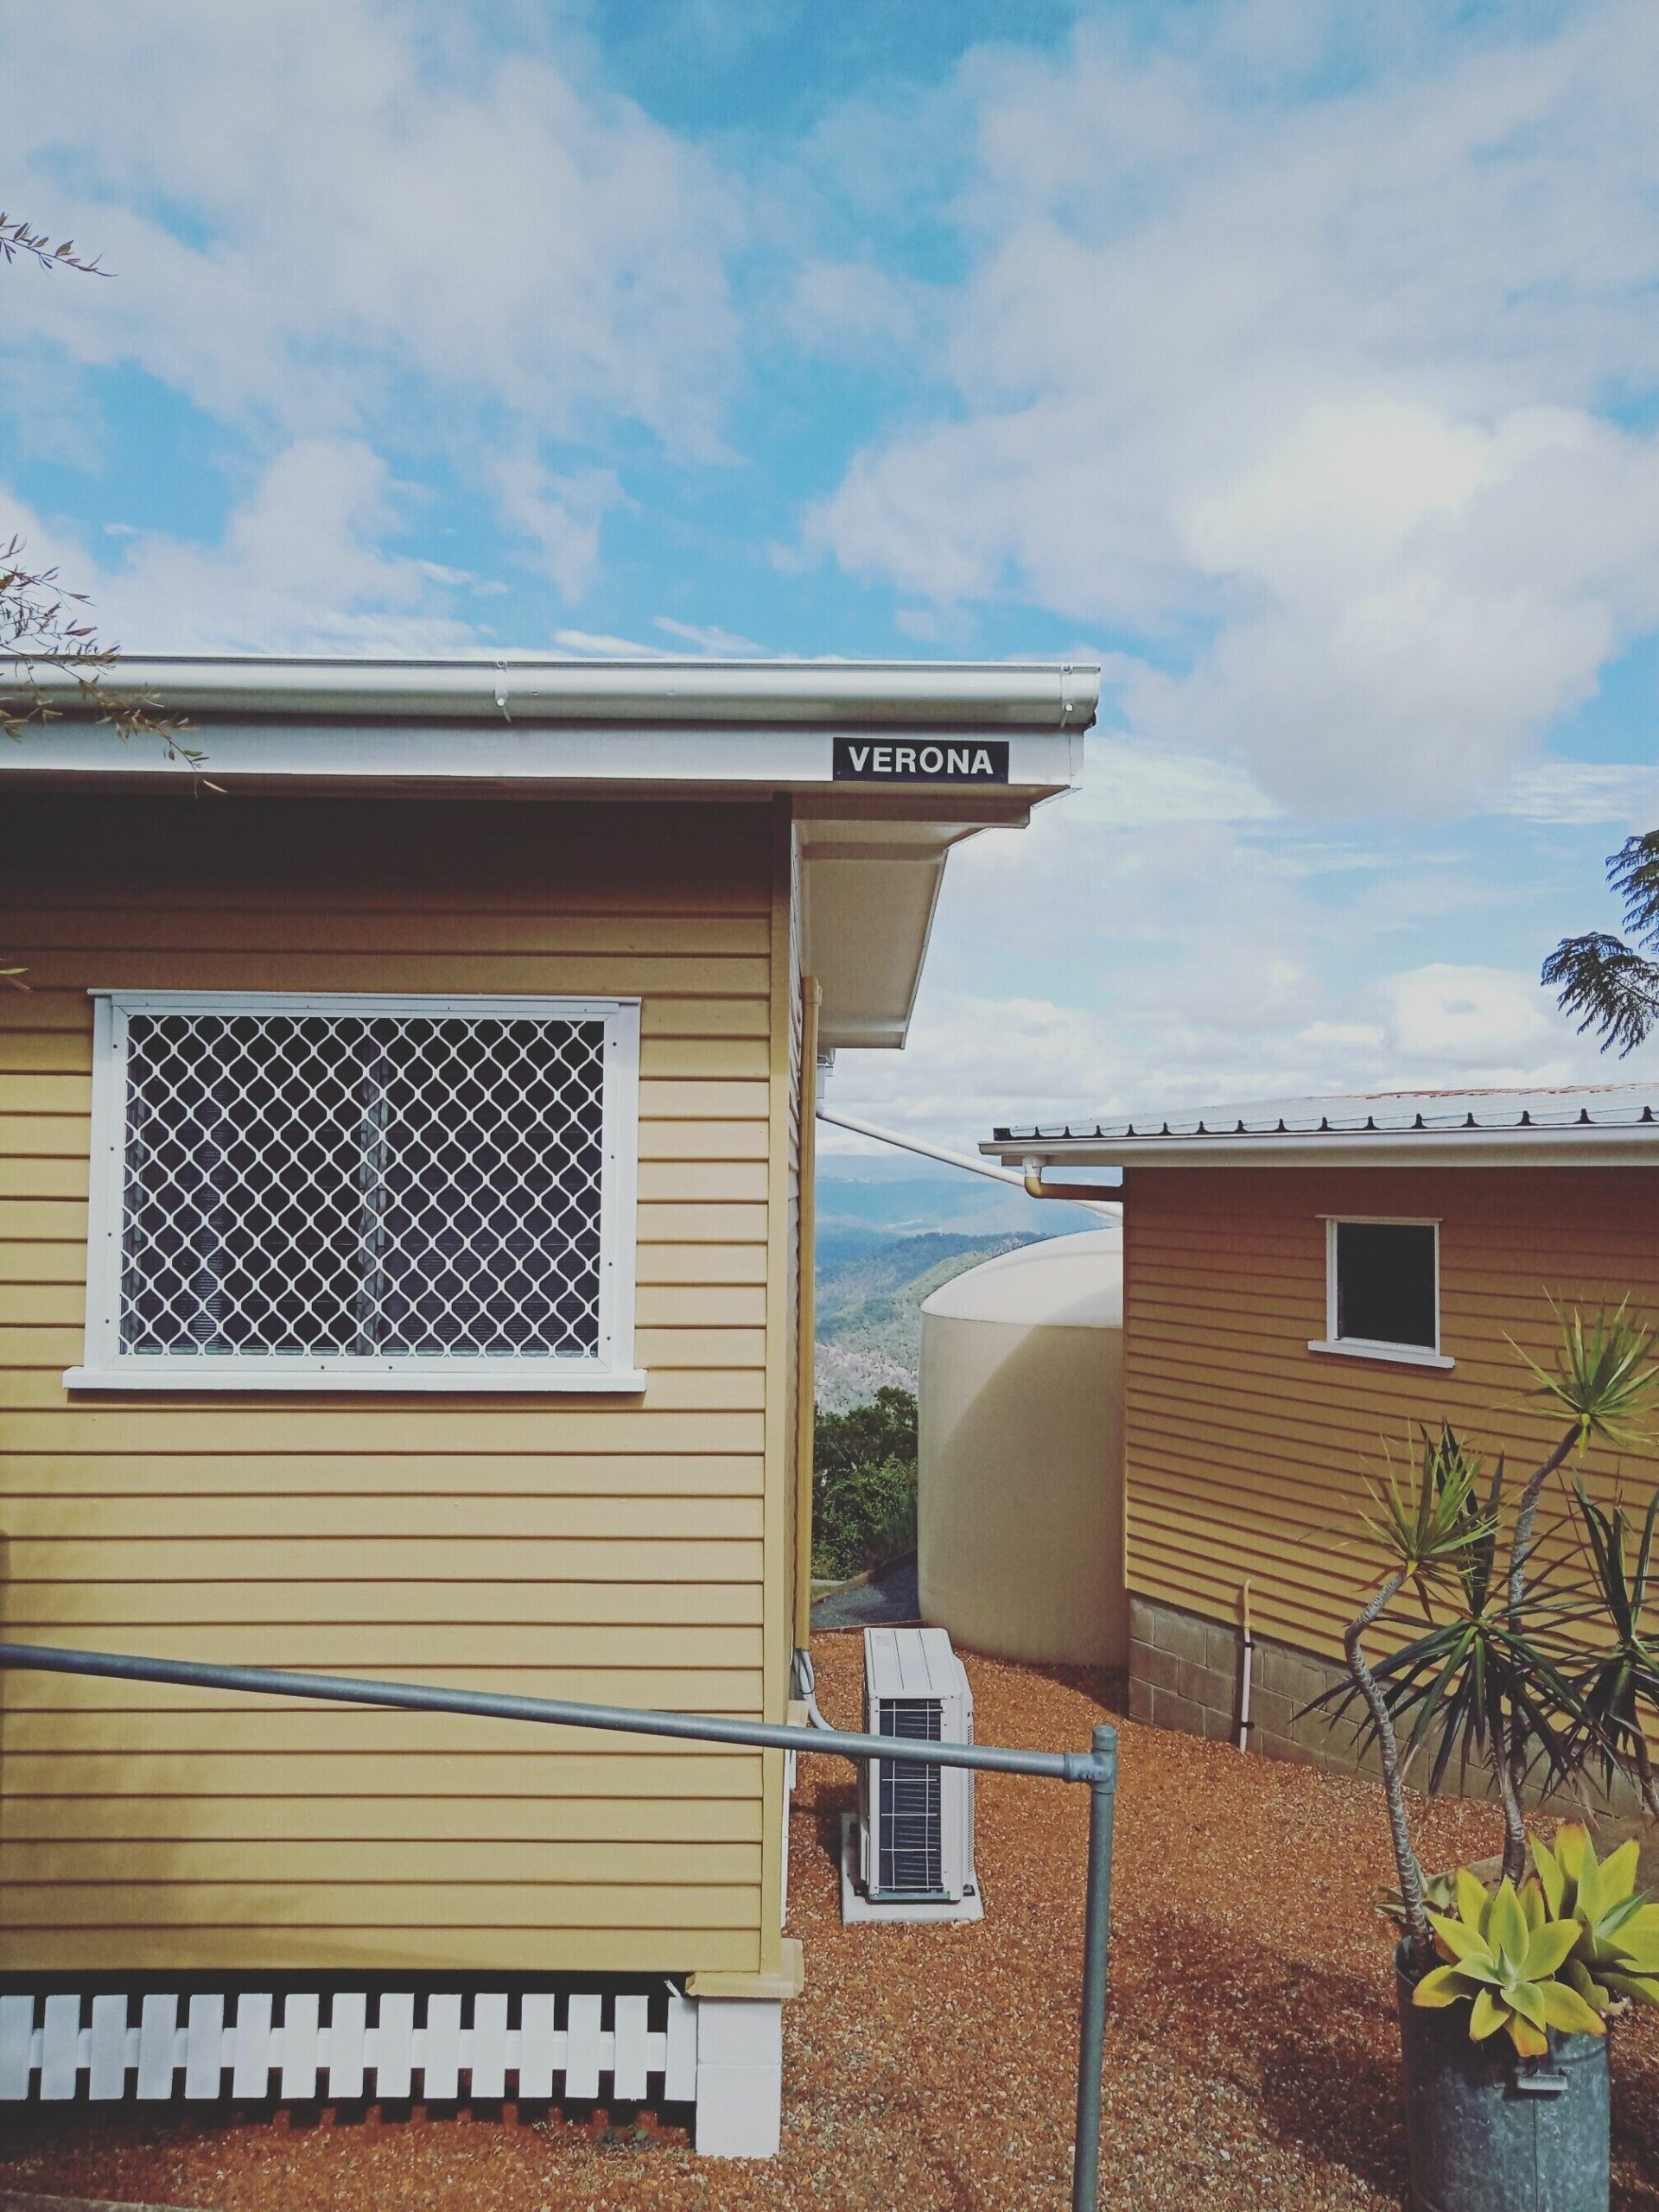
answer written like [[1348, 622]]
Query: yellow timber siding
[[630, 1550], [1246, 1451]]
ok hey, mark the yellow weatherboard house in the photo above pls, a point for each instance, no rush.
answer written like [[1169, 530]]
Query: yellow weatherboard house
[[406, 1146], [1310, 1284]]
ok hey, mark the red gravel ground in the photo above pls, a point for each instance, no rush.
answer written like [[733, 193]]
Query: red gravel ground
[[1251, 2058]]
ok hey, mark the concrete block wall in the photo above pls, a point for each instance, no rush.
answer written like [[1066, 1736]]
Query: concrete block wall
[[1184, 1674]]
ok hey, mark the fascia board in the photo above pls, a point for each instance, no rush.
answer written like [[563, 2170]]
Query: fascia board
[[707, 762]]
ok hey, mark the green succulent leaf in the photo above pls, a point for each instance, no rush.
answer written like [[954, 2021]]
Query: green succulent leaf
[[1618, 1873], [1439, 1987], [1550, 1875], [1506, 1927], [1526, 1998], [1594, 1993], [1530, 2041], [1549, 1949], [1473, 1897], [1456, 1939], [1565, 2009]]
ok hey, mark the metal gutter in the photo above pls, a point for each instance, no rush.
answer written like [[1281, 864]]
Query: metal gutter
[[1082, 1194], [896, 694], [1582, 1148]]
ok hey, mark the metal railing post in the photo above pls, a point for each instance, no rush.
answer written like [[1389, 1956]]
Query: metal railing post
[[1096, 1950], [1098, 1769]]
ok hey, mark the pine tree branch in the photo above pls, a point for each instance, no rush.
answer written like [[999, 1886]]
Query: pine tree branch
[[1609, 984]]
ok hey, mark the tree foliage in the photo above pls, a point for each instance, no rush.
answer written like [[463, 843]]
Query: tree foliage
[[1611, 983], [43, 625], [16, 237], [864, 1484]]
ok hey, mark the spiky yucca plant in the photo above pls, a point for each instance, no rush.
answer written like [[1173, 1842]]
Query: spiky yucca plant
[[1427, 1527], [1617, 1685], [1602, 1378], [1489, 1676]]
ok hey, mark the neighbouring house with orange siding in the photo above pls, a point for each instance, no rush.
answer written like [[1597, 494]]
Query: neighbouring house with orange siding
[[401, 1146], [1304, 1284]]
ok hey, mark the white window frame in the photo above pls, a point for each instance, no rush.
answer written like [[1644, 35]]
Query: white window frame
[[107, 1366], [1370, 1347]]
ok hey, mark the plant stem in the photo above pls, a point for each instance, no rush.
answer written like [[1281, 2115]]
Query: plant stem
[[1525, 1515], [1411, 1878], [1642, 1758], [1509, 1756]]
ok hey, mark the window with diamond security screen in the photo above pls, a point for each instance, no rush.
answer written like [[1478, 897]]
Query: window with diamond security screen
[[319, 1191]]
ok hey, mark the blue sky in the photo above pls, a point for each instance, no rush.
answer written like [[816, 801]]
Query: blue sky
[[1299, 361]]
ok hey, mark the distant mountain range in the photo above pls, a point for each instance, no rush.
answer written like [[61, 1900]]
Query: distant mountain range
[[889, 1233]]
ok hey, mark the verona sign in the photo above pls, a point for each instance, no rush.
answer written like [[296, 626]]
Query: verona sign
[[924, 761]]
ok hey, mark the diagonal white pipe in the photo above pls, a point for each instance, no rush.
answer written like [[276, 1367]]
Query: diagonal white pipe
[[971, 1161]]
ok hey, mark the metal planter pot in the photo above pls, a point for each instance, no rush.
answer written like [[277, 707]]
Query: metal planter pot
[[1486, 2132]]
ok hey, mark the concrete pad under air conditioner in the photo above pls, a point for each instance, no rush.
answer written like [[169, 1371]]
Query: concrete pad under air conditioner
[[856, 1908]]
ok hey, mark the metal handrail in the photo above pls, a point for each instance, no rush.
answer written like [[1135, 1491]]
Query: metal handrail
[[1096, 1767]]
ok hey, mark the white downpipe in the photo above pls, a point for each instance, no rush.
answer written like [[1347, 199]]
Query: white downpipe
[[971, 1161], [1245, 1670]]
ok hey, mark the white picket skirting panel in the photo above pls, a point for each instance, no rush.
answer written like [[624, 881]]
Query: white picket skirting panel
[[255, 2045]]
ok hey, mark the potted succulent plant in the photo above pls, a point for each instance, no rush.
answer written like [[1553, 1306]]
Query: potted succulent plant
[[1506, 1989]]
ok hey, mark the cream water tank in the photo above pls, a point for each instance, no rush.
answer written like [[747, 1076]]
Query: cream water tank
[[1020, 1517]]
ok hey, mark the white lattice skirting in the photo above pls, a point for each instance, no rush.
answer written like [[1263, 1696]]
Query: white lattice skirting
[[723, 2056]]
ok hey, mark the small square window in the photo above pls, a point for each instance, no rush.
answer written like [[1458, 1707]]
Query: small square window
[[1382, 1291], [342, 1192]]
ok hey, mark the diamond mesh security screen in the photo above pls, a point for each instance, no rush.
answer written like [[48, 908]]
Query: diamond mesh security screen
[[910, 1844], [362, 1184]]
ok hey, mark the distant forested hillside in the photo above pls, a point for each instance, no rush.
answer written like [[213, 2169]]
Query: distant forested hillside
[[889, 1232], [870, 1310]]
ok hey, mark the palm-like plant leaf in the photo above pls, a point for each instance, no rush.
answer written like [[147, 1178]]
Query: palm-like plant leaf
[[1427, 1523], [1604, 1376]]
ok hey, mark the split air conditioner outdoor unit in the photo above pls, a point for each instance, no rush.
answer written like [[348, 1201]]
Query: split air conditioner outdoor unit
[[909, 1852]]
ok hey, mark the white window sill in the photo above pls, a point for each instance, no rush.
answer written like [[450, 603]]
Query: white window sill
[[199, 1375], [1387, 1354]]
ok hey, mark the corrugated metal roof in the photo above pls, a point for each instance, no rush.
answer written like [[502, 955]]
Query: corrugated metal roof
[[1357, 1114]]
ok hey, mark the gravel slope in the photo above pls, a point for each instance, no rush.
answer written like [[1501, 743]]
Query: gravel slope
[[1250, 2057]]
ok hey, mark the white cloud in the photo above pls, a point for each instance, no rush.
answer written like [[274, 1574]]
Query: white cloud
[[1467, 1021], [1131, 785], [975, 1061], [723, 645], [297, 569], [562, 514], [306, 204], [1304, 382], [1569, 791], [600, 646], [1210, 954], [854, 308]]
